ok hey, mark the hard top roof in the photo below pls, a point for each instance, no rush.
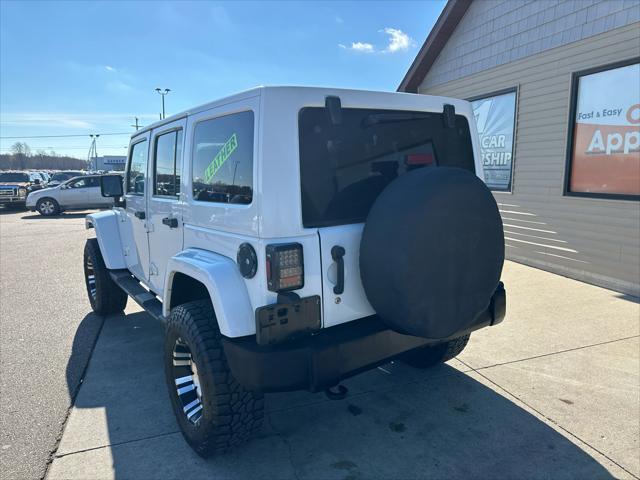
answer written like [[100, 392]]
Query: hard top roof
[[253, 92]]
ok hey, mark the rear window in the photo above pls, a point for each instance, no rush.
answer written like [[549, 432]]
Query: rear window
[[345, 167]]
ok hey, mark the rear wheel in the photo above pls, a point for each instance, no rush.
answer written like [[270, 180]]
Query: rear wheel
[[214, 412], [431, 355], [48, 207], [104, 295]]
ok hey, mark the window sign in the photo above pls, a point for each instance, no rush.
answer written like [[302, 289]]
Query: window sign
[[223, 159], [114, 159], [495, 118], [605, 153]]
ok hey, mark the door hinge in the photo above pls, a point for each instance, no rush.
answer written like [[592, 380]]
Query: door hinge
[[149, 227], [153, 270]]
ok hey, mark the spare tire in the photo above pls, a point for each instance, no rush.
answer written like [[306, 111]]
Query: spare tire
[[432, 252]]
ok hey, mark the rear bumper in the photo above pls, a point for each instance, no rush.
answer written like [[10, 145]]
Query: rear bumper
[[320, 361]]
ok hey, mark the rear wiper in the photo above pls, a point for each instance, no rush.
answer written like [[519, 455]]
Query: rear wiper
[[378, 118]]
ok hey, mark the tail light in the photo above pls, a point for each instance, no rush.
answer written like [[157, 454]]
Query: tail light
[[285, 267], [419, 159]]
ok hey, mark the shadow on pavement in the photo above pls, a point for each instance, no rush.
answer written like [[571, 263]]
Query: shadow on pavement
[[62, 216], [629, 298], [405, 423], [83, 343], [5, 209]]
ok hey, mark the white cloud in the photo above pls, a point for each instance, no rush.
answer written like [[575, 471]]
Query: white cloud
[[85, 121], [362, 47], [109, 68], [398, 40], [359, 47]]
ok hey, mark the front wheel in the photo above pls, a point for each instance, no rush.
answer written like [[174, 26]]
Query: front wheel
[[214, 412], [104, 295], [48, 207], [431, 355]]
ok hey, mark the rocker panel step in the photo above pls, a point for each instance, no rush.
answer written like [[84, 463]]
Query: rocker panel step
[[138, 293]]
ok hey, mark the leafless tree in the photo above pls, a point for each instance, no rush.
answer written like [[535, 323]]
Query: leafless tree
[[20, 153], [22, 159]]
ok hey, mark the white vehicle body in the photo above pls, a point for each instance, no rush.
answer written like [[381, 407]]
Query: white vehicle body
[[79, 193], [205, 241], [290, 238]]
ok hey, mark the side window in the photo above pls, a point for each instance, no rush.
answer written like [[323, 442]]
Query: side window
[[93, 182], [137, 168], [168, 155], [79, 183], [223, 159]]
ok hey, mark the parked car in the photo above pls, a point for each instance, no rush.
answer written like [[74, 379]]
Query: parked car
[[44, 178], [300, 236], [79, 193], [15, 186], [58, 177]]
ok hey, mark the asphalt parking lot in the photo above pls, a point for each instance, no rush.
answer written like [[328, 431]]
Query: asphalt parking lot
[[42, 304], [553, 392]]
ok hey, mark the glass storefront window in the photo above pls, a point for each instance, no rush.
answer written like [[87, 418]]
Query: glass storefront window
[[495, 118], [604, 141]]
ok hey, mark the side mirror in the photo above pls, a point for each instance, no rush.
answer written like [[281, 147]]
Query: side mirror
[[111, 186], [36, 181]]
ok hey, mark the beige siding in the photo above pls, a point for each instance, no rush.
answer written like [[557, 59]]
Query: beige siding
[[593, 240], [495, 32]]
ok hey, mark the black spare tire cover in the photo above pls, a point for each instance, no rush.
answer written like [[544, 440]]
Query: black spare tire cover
[[432, 251]]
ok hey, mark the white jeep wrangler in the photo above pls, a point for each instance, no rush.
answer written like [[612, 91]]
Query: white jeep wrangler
[[292, 237]]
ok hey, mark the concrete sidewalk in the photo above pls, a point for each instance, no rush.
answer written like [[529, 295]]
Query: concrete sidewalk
[[554, 391]]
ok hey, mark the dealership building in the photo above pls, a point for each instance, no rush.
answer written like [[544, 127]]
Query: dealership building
[[555, 88], [108, 163]]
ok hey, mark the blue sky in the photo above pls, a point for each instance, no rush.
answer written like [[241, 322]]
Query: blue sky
[[90, 67]]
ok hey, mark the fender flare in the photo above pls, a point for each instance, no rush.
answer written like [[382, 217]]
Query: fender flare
[[226, 287], [107, 230]]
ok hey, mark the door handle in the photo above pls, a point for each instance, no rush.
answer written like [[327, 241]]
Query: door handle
[[337, 254], [170, 222], [140, 214]]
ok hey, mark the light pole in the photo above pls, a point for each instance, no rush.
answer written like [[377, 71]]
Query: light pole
[[93, 150], [162, 94]]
